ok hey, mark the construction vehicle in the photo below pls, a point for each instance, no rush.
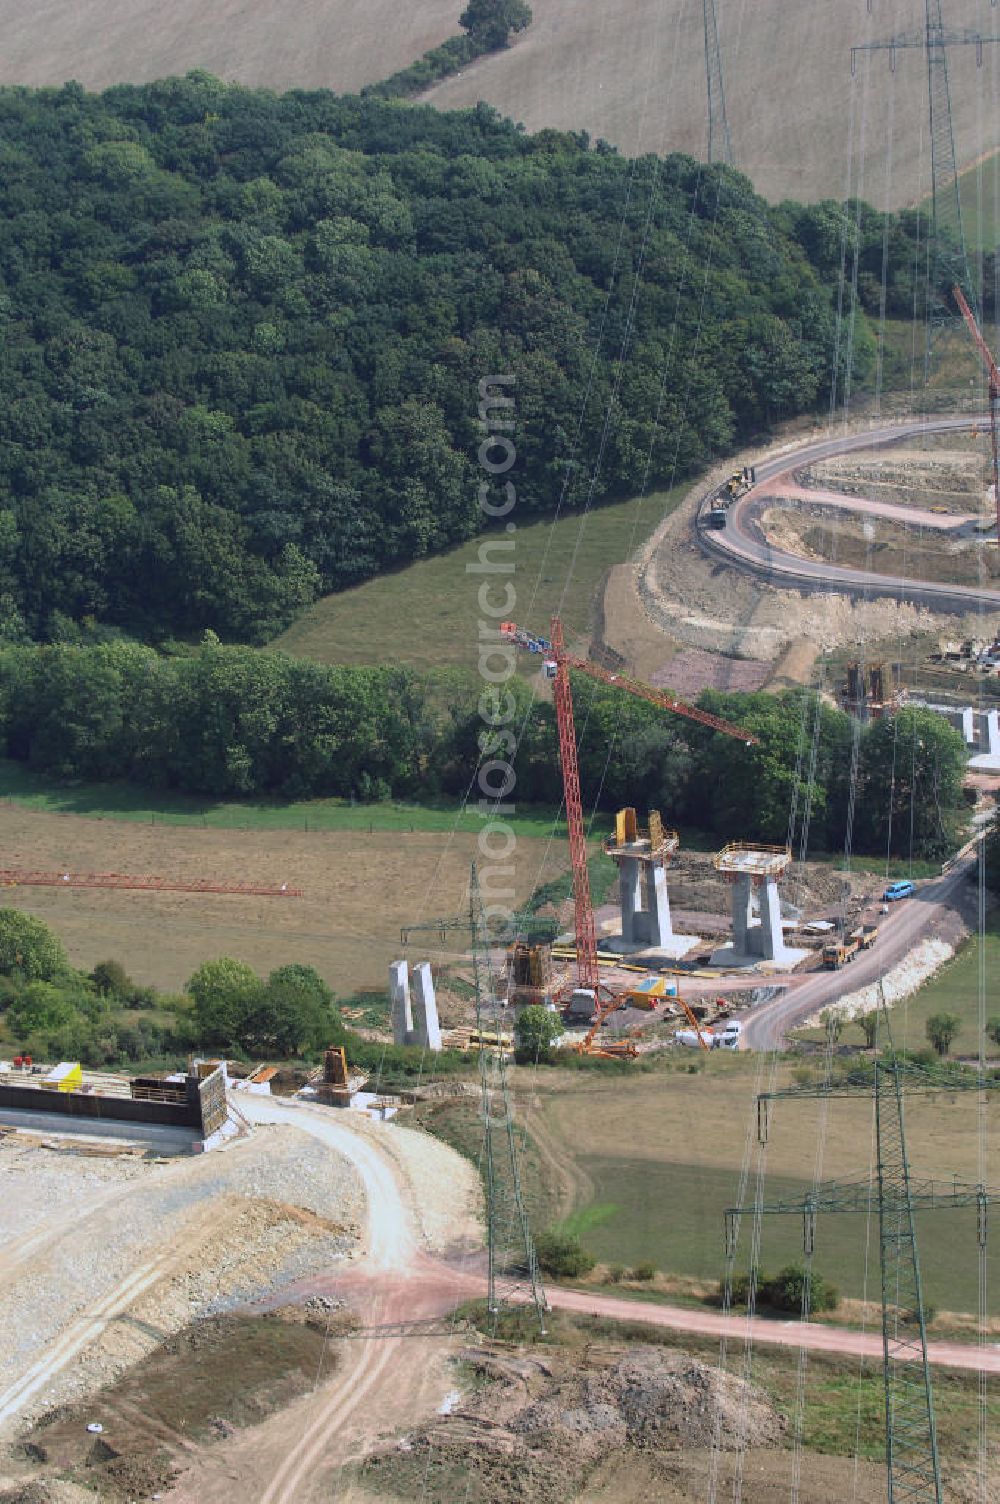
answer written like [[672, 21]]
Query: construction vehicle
[[557, 665], [837, 953], [624, 1049]]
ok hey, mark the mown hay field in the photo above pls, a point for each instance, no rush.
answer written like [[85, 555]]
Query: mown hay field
[[360, 889]]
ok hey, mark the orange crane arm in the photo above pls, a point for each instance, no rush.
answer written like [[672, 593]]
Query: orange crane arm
[[663, 698], [977, 334], [994, 376]]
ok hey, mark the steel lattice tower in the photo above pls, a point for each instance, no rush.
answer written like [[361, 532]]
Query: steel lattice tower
[[948, 260], [720, 142], [912, 1464], [513, 1273]]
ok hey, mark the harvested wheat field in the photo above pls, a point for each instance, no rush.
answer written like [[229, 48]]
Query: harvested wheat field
[[283, 44], [634, 73], [359, 890]]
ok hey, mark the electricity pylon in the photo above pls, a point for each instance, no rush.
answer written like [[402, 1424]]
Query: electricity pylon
[[513, 1273], [947, 239], [912, 1464], [720, 142]]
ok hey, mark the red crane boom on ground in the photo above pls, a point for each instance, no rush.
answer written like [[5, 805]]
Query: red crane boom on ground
[[558, 664], [993, 376], [14, 877]]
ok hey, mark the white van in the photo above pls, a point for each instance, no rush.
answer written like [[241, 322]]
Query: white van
[[729, 1037]]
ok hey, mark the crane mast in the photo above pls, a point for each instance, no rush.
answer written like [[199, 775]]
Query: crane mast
[[557, 666], [993, 377], [586, 934]]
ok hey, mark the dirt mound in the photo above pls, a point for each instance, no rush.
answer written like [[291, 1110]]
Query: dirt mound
[[657, 1399], [694, 669], [537, 1429]]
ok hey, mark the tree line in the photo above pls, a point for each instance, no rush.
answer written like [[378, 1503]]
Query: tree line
[[243, 335], [231, 721], [52, 1010], [488, 26]]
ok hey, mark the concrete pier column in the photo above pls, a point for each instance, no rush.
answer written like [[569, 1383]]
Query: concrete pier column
[[969, 725], [742, 910], [658, 905], [426, 1027], [993, 732], [399, 1002], [629, 870], [772, 938]]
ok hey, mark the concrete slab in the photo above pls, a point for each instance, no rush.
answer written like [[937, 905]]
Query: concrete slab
[[670, 949], [150, 1135], [728, 956]]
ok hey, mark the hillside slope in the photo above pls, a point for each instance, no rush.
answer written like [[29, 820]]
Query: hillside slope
[[634, 73]]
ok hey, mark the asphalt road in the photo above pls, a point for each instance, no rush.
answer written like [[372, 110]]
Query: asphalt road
[[906, 924], [741, 543]]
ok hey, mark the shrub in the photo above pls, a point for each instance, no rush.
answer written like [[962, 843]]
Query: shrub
[[644, 1271], [785, 1291], [941, 1029], [562, 1255], [28, 948], [616, 1273], [111, 979], [534, 1032]]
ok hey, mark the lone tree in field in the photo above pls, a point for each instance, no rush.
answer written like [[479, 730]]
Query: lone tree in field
[[941, 1030], [993, 1029], [535, 1033], [868, 1024], [491, 23]]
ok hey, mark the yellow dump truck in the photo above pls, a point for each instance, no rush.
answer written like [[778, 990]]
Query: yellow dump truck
[[837, 953]]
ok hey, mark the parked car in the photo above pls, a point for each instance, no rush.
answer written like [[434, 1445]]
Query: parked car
[[896, 891]]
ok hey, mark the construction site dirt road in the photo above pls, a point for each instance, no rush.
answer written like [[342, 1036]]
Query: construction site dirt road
[[387, 1382]]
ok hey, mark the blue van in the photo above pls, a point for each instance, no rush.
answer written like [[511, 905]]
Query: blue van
[[896, 891]]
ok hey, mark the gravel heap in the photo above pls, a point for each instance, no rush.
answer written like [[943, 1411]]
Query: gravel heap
[[652, 1399]]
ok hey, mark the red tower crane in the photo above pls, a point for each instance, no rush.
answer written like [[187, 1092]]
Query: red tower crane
[[993, 376], [557, 666]]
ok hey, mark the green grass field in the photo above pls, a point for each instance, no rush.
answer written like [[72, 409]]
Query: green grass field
[[672, 1214], [125, 801], [427, 614], [979, 187]]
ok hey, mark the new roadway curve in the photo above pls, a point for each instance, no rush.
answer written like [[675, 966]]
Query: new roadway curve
[[742, 544], [907, 923]]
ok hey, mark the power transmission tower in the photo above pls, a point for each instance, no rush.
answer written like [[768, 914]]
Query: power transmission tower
[[513, 1273], [720, 142], [949, 259], [912, 1464]]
